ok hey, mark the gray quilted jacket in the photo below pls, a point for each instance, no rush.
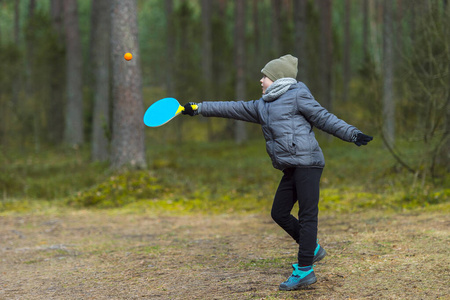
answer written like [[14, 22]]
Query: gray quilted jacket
[[287, 124]]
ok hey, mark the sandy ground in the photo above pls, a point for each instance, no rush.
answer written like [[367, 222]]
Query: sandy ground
[[105, 255]]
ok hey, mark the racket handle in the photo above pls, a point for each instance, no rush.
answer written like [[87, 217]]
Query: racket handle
[[181, 108]]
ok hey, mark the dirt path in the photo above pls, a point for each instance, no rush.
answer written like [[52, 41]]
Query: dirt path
[[96, 255]]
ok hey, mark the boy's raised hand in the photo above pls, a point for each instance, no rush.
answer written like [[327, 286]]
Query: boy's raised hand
[[189, 110], [362, 139]]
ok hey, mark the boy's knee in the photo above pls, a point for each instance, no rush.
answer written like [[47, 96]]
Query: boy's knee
[[278, 217], [274, 215]]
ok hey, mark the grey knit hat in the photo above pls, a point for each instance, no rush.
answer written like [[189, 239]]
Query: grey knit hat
[[285, 66]]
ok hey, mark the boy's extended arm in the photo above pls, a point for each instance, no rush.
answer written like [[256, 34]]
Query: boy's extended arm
[[238, 110], [321, 118]]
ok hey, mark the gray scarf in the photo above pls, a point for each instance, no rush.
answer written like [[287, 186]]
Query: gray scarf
[[278, 88]]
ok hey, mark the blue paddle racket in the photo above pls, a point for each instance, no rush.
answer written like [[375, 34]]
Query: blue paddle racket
[[162, 111]]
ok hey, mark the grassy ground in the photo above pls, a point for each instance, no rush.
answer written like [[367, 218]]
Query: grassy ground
[[209, 177], [196, 225]]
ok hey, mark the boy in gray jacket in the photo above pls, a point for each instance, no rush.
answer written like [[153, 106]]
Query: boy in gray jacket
[[287, 113]]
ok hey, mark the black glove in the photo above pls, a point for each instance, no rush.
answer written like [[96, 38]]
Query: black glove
[[189, 110], [361, 139]]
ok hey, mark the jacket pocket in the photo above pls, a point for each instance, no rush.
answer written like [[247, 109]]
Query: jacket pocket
[[291, 144]]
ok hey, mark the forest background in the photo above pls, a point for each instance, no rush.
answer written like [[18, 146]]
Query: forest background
[[71, 106], [95, 205]]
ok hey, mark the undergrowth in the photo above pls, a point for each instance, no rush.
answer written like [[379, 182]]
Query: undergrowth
[[218, 177]]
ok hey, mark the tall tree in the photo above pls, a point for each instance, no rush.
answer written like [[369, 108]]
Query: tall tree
[[58, 86], [347, 46], [445, 155], [128, 148], [56, 14], [0, 28], [30, 86], [206, 48], [207, 59], [170, 42], [398, 30], [326, 53], [276, 28], [73, 134], [388, 74], [300, 36], [16, 21], [365, 37], [100, 39], [16, 83], [256, 30], [240, 132]]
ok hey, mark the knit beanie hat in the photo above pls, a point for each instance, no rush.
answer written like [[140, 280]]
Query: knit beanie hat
[[285, 66]]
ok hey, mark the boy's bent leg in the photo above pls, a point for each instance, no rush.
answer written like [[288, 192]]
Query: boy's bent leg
[[307, 185], [283, 203]]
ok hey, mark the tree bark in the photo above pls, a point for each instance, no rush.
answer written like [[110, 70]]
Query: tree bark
[[100, 33], [206, 48], [388, 74], [16, 21], [207, 60], [347, 49], [365, 37], [326, 53], [170, 42], [58, 83], [240, 132], [30, 86], [128, 148], [300, 37], [276, 28], [74, 135]]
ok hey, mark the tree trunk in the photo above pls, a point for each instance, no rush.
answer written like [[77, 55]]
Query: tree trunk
[[388, 73], [30, 87], [100, 37], [57, 83], [256, 32], [276, 28], [365, 37], [300, 37], [16, 21], [74, 134], [240, 133], [206, 48], [128, 148], [326, 53], [347, 49], [207, 61], [170, 41], [445, 154], [399, 29], [17, 82], [0, 28]]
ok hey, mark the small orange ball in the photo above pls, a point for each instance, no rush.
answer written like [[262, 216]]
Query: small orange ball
[[128, 56]]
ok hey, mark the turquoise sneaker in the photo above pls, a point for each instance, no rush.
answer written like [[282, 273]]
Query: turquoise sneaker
[[301, 277], [319, 253]]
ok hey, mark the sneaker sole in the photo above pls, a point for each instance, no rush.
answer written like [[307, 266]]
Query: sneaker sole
[[301, 285], [320, 255]]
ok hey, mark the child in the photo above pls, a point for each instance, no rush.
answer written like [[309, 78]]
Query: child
[[287, 113]]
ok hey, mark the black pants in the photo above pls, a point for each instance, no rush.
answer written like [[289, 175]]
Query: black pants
[[300, 184]]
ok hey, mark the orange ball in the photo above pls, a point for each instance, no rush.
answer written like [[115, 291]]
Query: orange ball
[[128, 56]]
